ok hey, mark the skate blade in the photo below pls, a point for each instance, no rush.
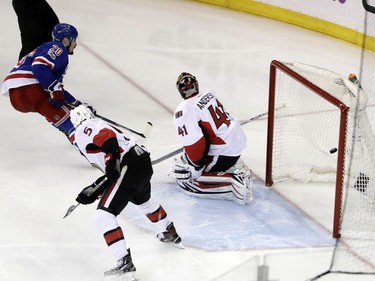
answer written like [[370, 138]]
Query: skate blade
[[129, 276], [178, 246]]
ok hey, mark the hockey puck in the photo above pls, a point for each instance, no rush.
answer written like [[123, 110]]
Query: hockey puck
[[333, 150]]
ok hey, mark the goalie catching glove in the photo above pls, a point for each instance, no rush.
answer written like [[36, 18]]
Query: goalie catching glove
[[182, 169], [94, 191]]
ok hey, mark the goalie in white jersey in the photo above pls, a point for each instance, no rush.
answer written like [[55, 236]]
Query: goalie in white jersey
[[213, 142], [128, 170]]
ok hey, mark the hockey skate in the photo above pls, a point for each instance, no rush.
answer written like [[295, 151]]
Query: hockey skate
[[170, 236], [123, 271]]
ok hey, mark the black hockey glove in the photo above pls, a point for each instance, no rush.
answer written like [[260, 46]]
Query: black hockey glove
[[77, 103], [89, 194], [112, 168], [112, 158], [93, 110]]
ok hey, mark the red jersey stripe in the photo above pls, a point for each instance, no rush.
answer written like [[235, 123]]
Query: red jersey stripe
[[113, 236], [19, 75], [158, 215], [103, 136]]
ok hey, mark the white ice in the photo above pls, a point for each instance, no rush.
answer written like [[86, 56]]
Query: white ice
[[129, 55]]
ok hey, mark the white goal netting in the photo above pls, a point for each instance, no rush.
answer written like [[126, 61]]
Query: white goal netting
[[310, 141], [306, 127]]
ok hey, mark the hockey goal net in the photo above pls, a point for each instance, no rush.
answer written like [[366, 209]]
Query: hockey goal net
[[318, 131]]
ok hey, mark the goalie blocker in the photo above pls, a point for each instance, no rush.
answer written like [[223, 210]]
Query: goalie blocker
[[235, 184]]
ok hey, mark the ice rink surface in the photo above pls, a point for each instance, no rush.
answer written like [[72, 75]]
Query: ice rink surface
[[129, 55]]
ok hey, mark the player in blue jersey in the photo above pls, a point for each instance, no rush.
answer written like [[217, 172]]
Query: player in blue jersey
[[35, 84]]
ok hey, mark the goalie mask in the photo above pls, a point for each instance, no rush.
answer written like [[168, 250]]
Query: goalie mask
[[187, 85], [79, 114]]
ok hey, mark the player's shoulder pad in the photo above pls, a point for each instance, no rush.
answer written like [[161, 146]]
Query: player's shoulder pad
[[54, 51]]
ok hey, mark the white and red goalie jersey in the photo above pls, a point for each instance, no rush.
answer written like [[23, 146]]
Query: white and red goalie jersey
[[92, 134], [205, 128]]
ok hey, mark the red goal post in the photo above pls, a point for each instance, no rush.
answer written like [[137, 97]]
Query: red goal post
[[295, 138]]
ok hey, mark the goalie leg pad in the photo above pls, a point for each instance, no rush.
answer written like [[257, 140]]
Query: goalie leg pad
[[206, 190], [242, 186], [235, 186]]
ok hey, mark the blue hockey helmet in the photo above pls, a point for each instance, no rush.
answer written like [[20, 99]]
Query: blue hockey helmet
[[62, 30]]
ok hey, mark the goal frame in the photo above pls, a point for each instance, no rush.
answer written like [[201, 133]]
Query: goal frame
[[344, 115]]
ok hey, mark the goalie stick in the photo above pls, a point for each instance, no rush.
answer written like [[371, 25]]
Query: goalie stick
[[167, 156], [242, 122]]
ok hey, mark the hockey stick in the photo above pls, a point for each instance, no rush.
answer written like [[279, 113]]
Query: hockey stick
[[143, 135], [146, 133], [243, 122], [179, 150], [70, 209], [167, 156], [73, 207]]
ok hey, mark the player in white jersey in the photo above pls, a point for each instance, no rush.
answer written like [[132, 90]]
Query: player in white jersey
[[128, 170], [213, 142]]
